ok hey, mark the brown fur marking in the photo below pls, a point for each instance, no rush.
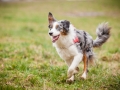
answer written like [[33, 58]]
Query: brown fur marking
[[64, 32], [85, 62]]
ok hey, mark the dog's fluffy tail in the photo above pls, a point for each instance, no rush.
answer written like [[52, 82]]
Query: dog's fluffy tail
[[103, 33]]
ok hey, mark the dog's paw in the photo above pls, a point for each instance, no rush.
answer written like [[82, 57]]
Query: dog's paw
[[83, 76], [70, 81]]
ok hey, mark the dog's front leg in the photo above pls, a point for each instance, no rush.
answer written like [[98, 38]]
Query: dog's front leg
[[77, 59]]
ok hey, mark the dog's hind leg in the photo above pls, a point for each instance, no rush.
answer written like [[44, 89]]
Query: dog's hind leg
[[85, 70]]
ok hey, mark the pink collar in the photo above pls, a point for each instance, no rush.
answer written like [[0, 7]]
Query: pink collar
[[76, 40]]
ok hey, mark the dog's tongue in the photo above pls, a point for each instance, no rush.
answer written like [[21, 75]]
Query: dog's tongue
[[55, 38]]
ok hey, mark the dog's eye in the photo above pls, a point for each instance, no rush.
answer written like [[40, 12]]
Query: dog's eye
[[50, 26]]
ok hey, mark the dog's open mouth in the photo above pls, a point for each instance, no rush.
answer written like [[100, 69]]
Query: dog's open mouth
[[55, 38]]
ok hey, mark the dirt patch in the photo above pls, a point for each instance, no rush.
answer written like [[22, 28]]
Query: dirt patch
[[113, 57]]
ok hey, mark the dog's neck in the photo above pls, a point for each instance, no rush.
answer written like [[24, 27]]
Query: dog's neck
[[66, 41]]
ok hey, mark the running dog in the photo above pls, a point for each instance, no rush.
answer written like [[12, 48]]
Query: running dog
[[74, 45]]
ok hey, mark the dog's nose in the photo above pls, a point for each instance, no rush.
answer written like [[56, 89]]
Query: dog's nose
[[50, 33]]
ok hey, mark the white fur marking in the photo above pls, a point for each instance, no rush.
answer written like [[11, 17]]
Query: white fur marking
[[77, 59], [84, 75]]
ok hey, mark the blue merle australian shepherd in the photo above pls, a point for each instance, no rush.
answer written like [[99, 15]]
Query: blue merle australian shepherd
[[74, 45]]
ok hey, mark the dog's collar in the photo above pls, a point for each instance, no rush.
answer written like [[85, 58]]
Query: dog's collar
[[76, 40]]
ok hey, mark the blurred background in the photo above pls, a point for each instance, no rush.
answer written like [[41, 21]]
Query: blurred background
[[29, 61]]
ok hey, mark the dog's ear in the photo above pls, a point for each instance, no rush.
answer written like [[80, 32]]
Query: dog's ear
[[66, 25], [51, 18]]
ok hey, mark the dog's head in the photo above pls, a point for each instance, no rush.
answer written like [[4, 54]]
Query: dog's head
[[57, 28]]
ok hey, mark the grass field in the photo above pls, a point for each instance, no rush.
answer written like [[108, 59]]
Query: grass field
[[28, 60]]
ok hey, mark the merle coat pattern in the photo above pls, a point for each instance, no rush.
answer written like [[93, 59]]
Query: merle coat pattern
[[75, 45]]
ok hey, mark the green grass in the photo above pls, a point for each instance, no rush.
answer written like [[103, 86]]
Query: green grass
[[28, 60]]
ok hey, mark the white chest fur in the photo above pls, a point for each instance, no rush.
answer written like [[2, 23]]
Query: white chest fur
[[67, 53]]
